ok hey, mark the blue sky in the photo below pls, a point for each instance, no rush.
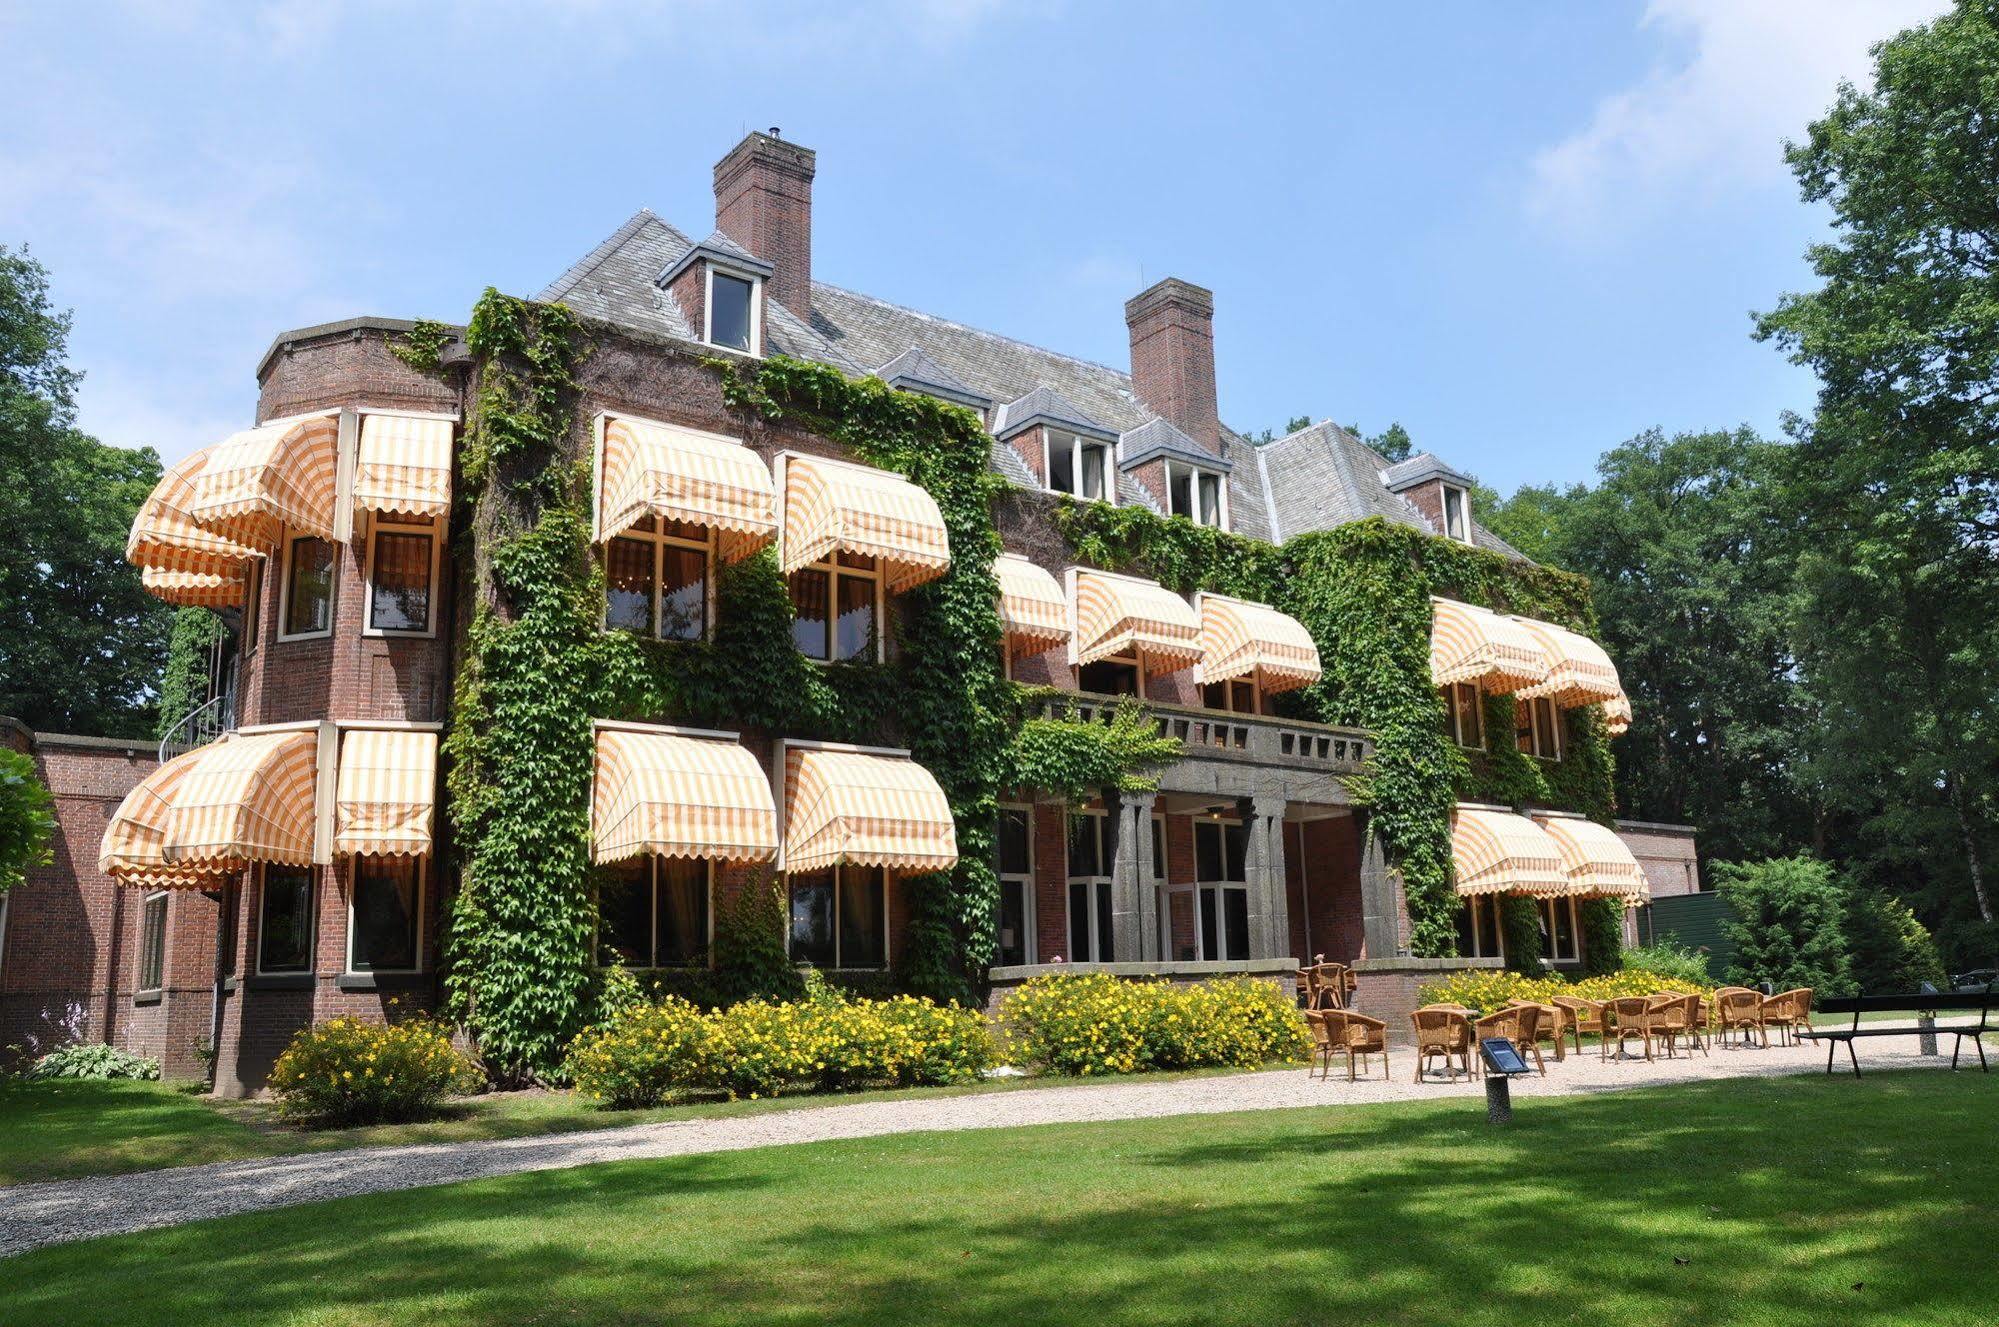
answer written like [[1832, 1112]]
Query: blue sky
[[1525, 231]]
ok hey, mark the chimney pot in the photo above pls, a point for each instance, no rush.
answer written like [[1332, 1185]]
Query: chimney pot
[[1173, 356], [763, 201]]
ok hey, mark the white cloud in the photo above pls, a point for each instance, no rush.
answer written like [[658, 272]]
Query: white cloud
[[1744, 75]]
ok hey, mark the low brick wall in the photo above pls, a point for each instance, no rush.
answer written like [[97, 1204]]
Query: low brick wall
[[1283, 972], [1387, 988]]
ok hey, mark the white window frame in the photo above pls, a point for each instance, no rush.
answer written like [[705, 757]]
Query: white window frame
[[839, 883], [1218, 887], [253, 605], [1076, 444], [1463, 534], [1099, 943], [1534, 708], [1554, 954], [1195, 475], [377, 523], [1474, 903], [353, 891], [829, 565], [1028, 946], [291, 540], [660, 540], [652, 925], [756, 347], [312, 920], [1452, 694], [143, 987]]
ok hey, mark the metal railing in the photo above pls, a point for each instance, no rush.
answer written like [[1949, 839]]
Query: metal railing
[[206, 722]]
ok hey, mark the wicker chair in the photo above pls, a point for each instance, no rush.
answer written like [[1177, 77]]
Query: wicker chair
[[1790, 1012], [1442, 1029], [1327, 985], [1737, 1008], [1675, 1017], [1629, 1016], [1338, 1032], [1517, 1023], [1583, 1016], [1553, 1024]]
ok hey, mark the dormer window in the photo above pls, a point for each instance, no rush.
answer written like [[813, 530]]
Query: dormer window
[[1079, 466], [733, 319], [1197, 494], [1457, 514]]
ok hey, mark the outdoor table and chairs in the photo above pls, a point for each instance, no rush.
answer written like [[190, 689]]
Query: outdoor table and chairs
[[1343, 1032], [1790, 1012], [1739, 1009], [1327, 985], [1629, 1016], [1675, 1017], [1517, 1023], [1585, 1017], [1554, 1023], [1443, 1030]]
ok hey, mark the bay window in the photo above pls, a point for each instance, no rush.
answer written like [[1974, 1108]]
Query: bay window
[[1119, 675], [385, 914], [1478, 927], [839, 917], [285, 920], [308, 588], [402, 577], [153, 942]]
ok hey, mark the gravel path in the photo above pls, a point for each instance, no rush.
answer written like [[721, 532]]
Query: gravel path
[[33, 1215]]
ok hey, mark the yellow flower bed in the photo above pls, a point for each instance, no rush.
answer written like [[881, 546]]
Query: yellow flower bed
[[1491, 989], [1089, 1023], [345, 1071]]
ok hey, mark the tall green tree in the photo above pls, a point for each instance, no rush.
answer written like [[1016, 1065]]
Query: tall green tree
[[1896, 475], [81, 643]]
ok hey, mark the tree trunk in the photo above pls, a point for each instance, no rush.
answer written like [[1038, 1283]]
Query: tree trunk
[[1955, 791]]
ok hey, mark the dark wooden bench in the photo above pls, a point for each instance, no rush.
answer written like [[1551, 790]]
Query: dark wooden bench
[[1922, 1005]]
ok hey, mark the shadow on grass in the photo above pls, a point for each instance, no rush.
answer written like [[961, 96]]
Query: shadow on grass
[[1756, 1202]]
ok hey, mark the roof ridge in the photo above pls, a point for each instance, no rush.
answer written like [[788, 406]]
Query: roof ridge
[[573, 275], [967, 327]]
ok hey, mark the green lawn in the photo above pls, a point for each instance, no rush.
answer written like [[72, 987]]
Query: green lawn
[[1796, 1201]]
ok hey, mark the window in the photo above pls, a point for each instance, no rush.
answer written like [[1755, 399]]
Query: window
[[153, 942], [1537, 728], [1221, 873], [1478, 927], [284, 924], [253, 594], [308, 607], [1079, 466], [402, 578], [1119, 675], [839, 917], [1159, 848], [385, 915], [1236, 696], [1464, 715], [1091, 847], [836, 609], [734, 320], [657, 578], [1014, 925], [653, 912], [1197, 494], [1457, 517], [1559, 930]]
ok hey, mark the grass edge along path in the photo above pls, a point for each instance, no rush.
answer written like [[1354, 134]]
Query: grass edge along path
[[1756, 1201]]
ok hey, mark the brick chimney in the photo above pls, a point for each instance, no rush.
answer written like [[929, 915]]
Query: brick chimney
[[1173, 356], [763, 201]]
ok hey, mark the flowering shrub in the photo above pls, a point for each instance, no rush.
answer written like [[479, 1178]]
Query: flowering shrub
[[345, 1071], [759, 1048], [1490, 989], [90, 1059], [1093, 1023]]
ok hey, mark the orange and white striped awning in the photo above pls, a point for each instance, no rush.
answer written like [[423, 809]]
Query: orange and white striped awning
[[1241, 638], [1617, 715], [1579, 672], [385, 793], [1032, 610], [1595, 860], [195, 589], [165, 537], [1473, 644], [1123, 614], [247, 798], [263, 479], [1497, 852], [403, 464], [837, 507], [864, 807], [133, 849], [675, 794], [679, 474]]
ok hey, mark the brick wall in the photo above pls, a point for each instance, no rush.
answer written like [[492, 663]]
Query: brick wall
[[1173, 356], [1032, 447], [763, 201], [1322, 886], [1428, 498]]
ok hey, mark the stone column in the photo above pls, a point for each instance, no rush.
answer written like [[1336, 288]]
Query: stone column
[[1380, 906], [1269, 912], [1136, 809], [1131, 872]]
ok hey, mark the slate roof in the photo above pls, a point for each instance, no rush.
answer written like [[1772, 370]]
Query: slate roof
[[915, 371], [1045, 405], [1421, 468], [720, 250], [1323, 476], [1161, 437]]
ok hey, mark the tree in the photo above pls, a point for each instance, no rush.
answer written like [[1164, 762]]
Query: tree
[[1891, 950], [1291, 426], [27, 818], [81, 642], [1392, 442], [1787, 919]]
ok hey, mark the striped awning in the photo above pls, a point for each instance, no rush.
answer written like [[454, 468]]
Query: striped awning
[[1579, 672], [195, 589], [1472, 644], [1122, 614], [132, 850], [1240, 638], [265, 478], [403, 464], [1595, 860], [1617, 715], [866, 808], [679, 474], [165, 537], [248, 798], [385, 794], [1032, 610], [1497, 852], [677, 795], [834, 507]]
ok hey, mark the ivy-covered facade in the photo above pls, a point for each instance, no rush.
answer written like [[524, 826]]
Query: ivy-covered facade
[[1061, 668]]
